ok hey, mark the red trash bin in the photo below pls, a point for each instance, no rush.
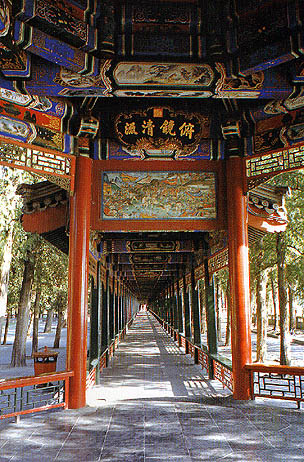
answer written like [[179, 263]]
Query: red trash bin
[[45, 361]]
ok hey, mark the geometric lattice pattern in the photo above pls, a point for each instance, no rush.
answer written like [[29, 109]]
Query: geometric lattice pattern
[[191, 348], [218, 261], [223, 374], [275, 162], [183, 341], [18, 400], [282, 386], [55, 166], [103, 361], [203, 360], [91, 379]]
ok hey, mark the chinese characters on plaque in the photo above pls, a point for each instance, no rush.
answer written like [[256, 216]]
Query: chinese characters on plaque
[[159, 126]]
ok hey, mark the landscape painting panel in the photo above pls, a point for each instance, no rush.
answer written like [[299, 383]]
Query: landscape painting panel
[[158, 195]]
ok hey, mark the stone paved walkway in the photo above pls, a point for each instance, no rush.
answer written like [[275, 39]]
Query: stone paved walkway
[[154, 405]]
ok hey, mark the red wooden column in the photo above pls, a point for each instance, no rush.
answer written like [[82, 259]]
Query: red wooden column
[[80, 207], [239, 276]]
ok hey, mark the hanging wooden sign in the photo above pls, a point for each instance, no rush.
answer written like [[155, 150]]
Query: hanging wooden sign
[[160, 131]]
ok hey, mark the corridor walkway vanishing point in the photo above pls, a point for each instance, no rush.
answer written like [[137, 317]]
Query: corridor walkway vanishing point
[[154, 405]]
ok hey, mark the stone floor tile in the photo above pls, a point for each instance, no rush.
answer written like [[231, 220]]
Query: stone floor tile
[[166, 458], [78, 454], [154, 405], [119, 455]]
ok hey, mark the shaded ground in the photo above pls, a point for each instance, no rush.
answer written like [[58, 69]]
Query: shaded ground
[[44, 340], [154, 405]]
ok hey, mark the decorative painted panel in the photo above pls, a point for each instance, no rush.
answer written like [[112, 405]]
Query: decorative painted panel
[[169, 93], [139, 246], [160, 29], [218, 261], [261, 84], [13, 63], [218, 240], [28, 132], [279, 107], [158, 195], [167, 74], [84, 10], [264, 35], [167, 196], [199, 273], [58, 22], [54, 50], [205, 150], [48, 79], [37, 110], [278, 132]]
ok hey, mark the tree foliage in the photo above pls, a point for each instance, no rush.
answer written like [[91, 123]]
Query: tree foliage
[[29, 251], [282, 256]]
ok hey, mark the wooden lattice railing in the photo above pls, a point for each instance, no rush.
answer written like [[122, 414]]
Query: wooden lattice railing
[[266, 381], [103, 360], [276, 382], [26, 395], [221, 368]]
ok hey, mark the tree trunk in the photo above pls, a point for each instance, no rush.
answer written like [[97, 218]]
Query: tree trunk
[[218, 308], [261, 311], [6, 328], [5, 269], [275, 304], [30, 323], [36, 313], [19, 347], [61, 308], [48, 322], [253, 313], [60, 323], [202, 301], [292, 310], [282, 292]]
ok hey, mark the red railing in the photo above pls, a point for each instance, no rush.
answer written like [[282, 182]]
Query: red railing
[[26, 395], [183, 341], [103, 360], [203, 359], [221, 370], [267, 381], [91, 378], [276, 382], [223, 373], [111, 350]]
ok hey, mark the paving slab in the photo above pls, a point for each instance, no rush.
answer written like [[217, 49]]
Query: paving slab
[[152, 405]]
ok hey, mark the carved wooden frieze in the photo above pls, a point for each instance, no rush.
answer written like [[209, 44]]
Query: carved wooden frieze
[[218, 261]]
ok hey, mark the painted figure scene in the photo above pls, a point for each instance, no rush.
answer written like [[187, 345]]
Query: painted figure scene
[[158, 195]]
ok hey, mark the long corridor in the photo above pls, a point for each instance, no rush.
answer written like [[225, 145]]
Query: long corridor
[[153, 405]]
